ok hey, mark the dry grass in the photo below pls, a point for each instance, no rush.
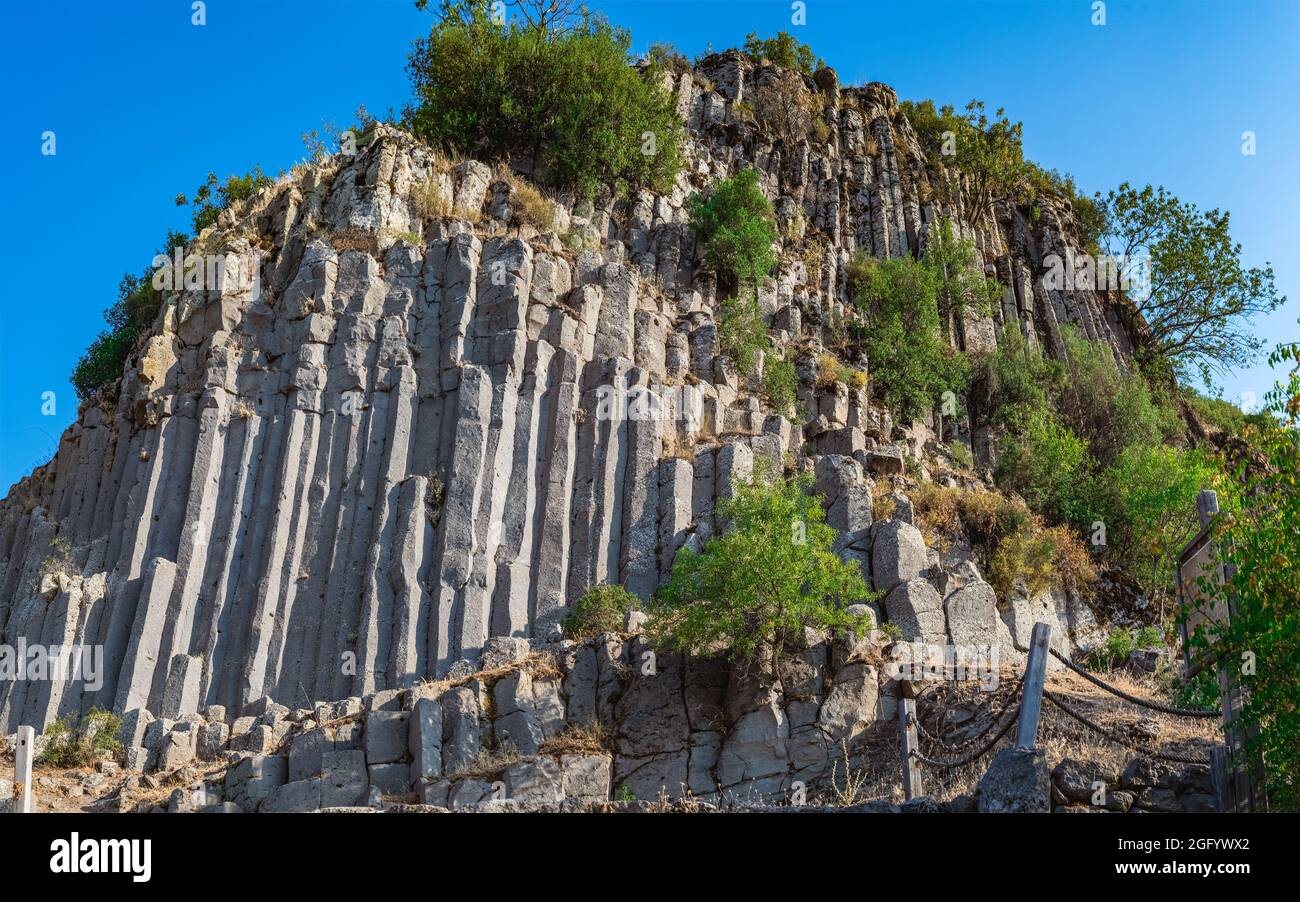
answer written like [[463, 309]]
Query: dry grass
[[883, 505], [530, 205], [592, 739], [355, 240], [429, 200]]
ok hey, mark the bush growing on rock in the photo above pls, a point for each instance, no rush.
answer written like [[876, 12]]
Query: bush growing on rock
[[762, 581], [736, 228], [780, 384], [742, 332], [69, 743], [907, 355], [132, 314], [557, 94], [601, 609], [782, 50]]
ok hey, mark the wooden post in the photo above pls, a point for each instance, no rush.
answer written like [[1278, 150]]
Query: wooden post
[[1031, 701], [907, 738], [23, 771]]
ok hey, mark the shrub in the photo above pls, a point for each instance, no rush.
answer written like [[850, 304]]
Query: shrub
[[1021, 384], [828, 370], [908, 358], [742, 332], [782, 50], [1147, 501], [780, 384], [214, 196], [1039, 557], [1016, 542], [959, 272], [72, 744], [760, 583], [132, 314], [1112, 409], [788, 108], [1044, 465], [601, 609], [961, 454], [1114, 651], [736, 227], [557, 95], [531, 206]]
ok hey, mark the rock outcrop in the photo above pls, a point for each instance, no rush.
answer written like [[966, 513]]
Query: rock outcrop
[[427, 422]]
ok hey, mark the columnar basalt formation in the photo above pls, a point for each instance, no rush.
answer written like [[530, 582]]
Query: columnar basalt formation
[[346, 476]]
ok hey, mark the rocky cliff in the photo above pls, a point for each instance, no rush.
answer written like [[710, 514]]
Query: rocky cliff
[[346, 475]]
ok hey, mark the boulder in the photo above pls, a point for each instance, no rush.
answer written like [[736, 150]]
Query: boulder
[[897, 554], [1017, 782], [917, 610]]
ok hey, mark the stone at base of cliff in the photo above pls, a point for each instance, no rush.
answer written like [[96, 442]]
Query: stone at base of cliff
[[1017, 781]]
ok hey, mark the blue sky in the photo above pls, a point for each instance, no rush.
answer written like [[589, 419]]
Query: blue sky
[[144, 104]]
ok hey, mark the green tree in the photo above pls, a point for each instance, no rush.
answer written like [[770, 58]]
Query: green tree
[[1261, 541], [987, 150], [763, 580], [736, 227], [552, 89], [1200, 299], [782, 50], [1147, 500], [910, 363]]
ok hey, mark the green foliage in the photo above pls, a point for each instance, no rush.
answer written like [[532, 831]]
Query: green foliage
[[780, 384], [1021, 384], [910, 363], [132, 313], [736, 228], [782, 50], [1261, 540], [763, 580], [214, 196], [959, 272], [1112, 409], [989, 151], [72, 744], [1217, 412], [1043, 463], [1201, 299], [1122, 642], [558, 93], [601, 609], [1147, 500], [741, 331]]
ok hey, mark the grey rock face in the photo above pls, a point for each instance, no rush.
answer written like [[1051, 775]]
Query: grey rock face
[[388, 453]]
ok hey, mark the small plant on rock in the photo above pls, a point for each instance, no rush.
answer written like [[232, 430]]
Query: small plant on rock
[[72, 744], [601, 609]]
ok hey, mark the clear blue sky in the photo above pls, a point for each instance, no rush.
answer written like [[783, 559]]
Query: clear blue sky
[[144, 104]]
